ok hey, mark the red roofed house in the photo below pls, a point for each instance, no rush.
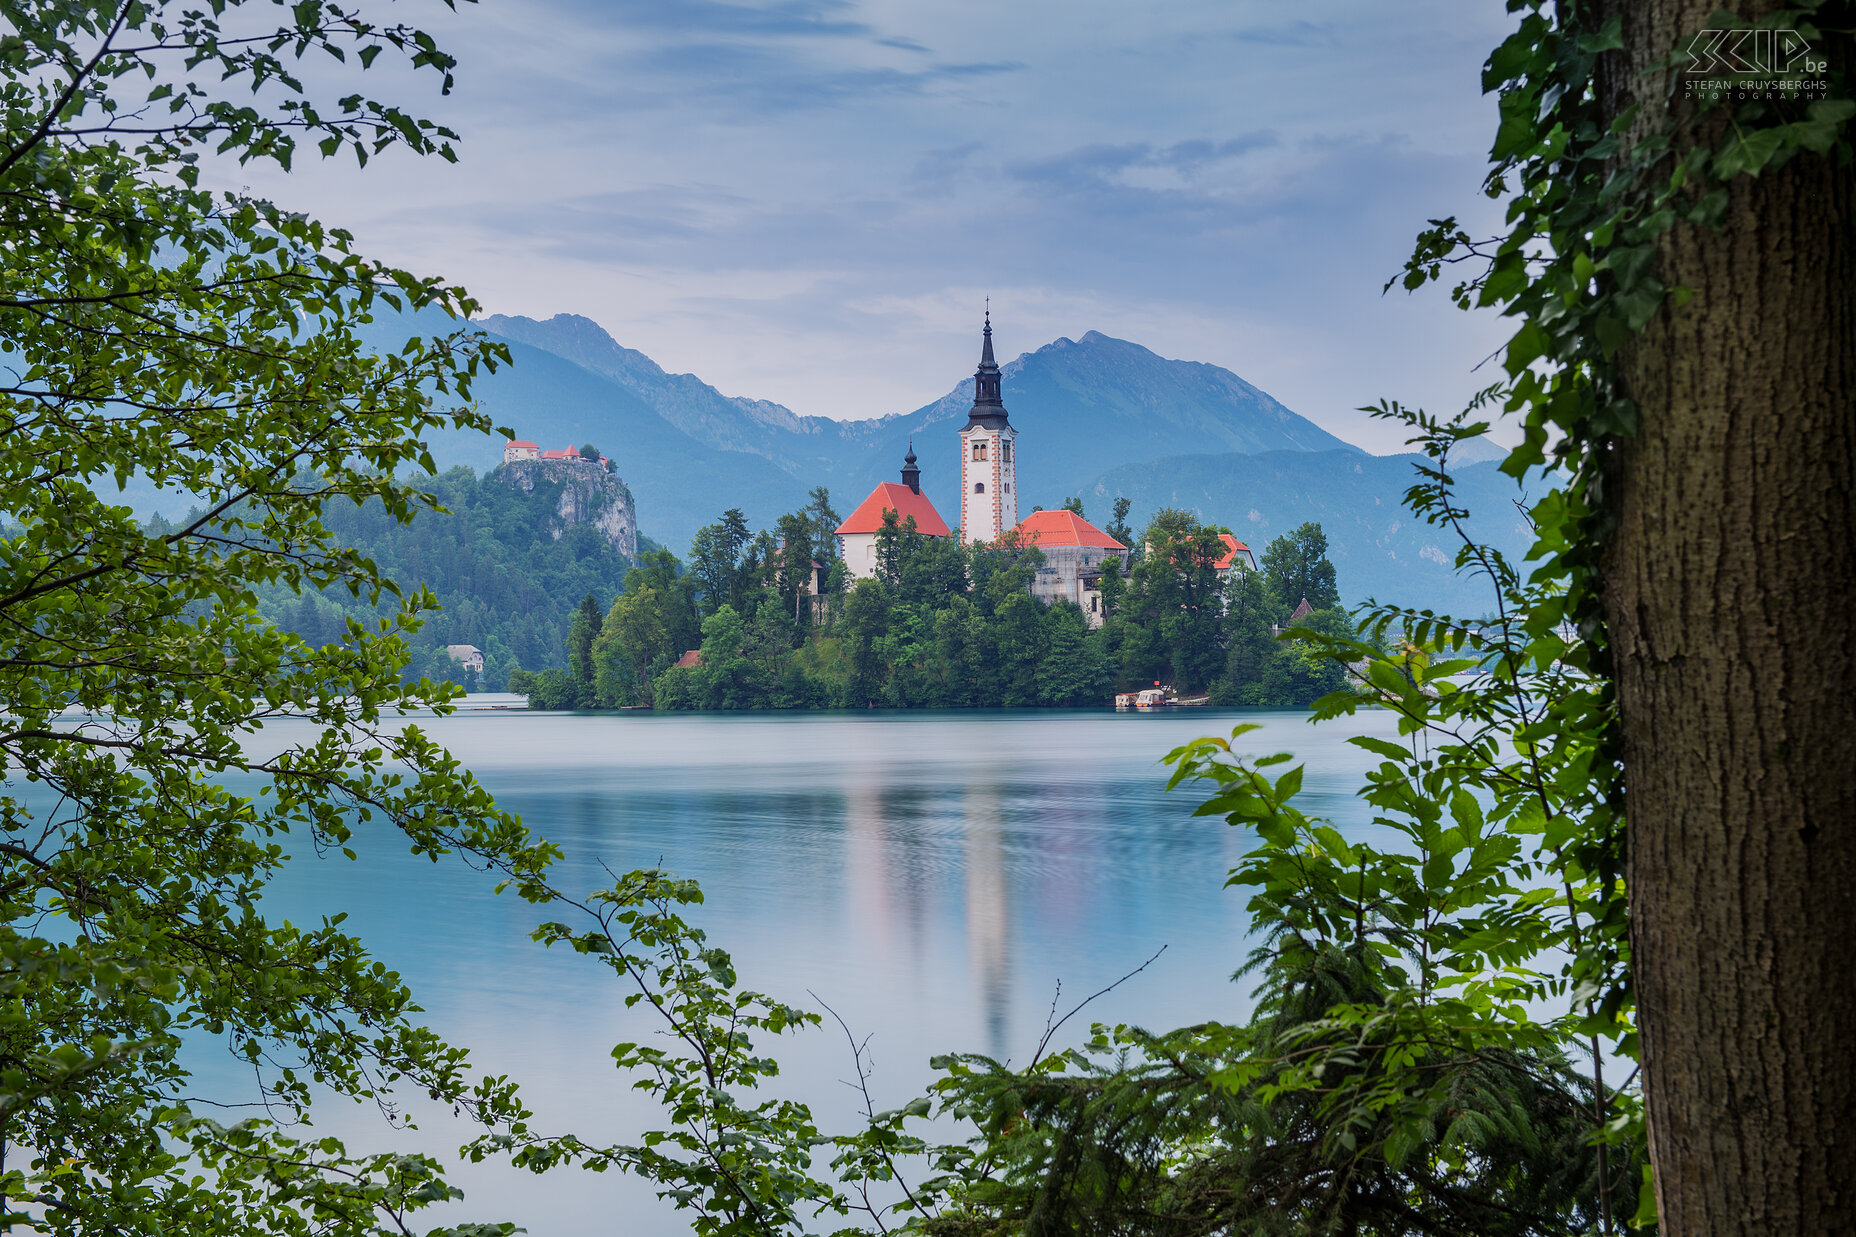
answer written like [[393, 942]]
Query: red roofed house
[[518, 449], [857, 535], [1236, 553], [1073, 551]]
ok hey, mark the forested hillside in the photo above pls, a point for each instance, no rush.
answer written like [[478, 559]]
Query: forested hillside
[[504, 565]]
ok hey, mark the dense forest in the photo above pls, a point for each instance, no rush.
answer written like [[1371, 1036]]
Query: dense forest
[[945, 625], [504, 570]]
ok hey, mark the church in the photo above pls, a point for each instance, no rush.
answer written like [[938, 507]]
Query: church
[[857, 535], [988, 503]]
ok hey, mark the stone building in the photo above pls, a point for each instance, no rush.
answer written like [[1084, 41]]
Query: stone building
[[1074, 550]]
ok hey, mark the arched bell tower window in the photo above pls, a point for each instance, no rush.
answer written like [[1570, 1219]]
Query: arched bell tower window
[[979, 449], [979, 487]]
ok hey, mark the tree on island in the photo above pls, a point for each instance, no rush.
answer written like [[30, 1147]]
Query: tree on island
[[1295, 569], [1118, 523]]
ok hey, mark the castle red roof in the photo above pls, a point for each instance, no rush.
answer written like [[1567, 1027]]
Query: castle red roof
[[1232, 548], [523, 442], [893, 496], [1064, 527]]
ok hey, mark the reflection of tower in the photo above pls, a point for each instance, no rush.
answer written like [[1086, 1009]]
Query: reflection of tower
[[989, 930], [867, 872], [988, 469]]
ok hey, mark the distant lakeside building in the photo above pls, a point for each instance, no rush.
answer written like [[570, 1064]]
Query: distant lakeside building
[[468, 656]]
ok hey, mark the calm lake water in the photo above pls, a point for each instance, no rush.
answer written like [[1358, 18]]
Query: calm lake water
[[933, 877]]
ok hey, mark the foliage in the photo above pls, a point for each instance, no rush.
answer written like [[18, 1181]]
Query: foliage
[[740, 1167], [209, 344], [1590, 194], [1296, 569]]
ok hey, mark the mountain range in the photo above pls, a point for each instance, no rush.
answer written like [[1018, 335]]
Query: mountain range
[[1097, 418]]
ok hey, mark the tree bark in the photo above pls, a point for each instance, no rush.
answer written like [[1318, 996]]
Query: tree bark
[[1730, 586]]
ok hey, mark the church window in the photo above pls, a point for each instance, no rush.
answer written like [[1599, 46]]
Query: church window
[[979, 487], [979, 449], [1005, 452], [1008, 487]]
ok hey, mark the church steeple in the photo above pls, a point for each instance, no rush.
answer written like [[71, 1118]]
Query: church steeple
[[911, 475], [988, 408]]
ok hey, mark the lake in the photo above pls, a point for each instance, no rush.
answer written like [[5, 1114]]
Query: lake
[[933, 877]]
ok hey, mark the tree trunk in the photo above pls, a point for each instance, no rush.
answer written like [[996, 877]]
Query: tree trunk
[[1730, 586]]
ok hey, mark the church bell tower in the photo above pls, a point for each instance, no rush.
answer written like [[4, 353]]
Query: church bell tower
[[988, 460]]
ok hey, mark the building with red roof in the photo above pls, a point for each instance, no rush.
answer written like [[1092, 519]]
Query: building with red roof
[[857, 535], [1235, 552], [1074, 551], [521, 449]]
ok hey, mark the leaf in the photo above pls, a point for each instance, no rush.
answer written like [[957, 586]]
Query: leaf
[[1383, 747]]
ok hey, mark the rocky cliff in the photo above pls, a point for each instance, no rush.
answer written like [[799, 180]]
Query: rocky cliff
[[587, 494]]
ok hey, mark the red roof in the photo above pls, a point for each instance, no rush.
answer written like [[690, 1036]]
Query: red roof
[[1064, 527], [894, 496], [523, 442], [1232, 548], [691, 658]]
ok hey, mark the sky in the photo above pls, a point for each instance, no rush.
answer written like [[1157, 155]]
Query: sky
[[810, 201]]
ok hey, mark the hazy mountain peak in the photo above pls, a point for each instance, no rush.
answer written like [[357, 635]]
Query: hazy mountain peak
[[575, 338], [684, 400]]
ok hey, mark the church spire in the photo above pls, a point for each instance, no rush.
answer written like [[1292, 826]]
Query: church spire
[[911, 475], [988, 408]]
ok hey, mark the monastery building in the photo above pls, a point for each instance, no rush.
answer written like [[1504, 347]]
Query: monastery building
[[1074, 550]]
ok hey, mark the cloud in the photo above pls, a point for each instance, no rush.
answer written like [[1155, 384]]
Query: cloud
[[1098, 165], [786, 19], [733, 186], [1292, 34]]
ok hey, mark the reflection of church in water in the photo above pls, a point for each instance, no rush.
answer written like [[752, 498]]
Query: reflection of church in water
[[1073, 548]]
